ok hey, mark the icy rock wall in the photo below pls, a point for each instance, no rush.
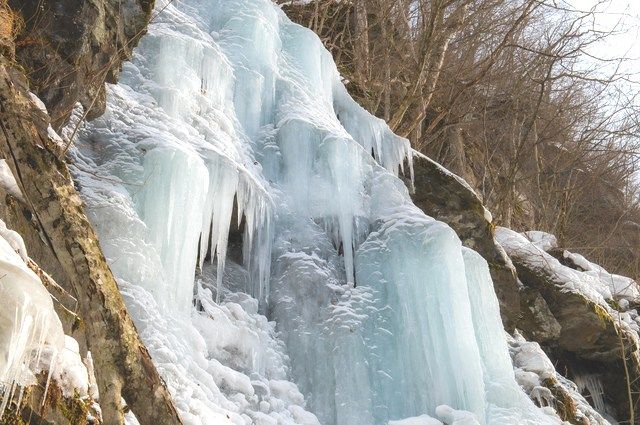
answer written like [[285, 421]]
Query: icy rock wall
[[381, 314]]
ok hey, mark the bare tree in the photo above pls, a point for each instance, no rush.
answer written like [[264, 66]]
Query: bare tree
[[508, 95]]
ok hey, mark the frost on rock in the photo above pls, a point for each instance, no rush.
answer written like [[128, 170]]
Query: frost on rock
[[231, 116]]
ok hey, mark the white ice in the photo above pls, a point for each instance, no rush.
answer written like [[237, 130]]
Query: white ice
[[532, 367]]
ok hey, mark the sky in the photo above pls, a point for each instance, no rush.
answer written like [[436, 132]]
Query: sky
[[623, 16]]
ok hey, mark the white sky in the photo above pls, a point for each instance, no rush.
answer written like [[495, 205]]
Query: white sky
[[622, 16]]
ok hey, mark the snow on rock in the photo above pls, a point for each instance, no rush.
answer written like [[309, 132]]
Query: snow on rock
[[587, 289], [8, 181], [623, 289], [15, 242], [69, 370], [544, 241], [530, 358], [455, 417], [570, 280], [53, 135], [587, 278], [93, 385]]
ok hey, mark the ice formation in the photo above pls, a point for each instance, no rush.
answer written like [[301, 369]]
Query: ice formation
[[27, 318], [229, 114], [532, 367], [31, 335]]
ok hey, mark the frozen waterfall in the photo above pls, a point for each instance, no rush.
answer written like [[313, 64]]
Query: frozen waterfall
[[229, 115]]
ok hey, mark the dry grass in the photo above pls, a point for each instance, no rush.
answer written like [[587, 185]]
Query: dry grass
[[11, 23]]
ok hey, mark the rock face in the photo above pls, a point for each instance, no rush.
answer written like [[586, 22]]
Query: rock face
[[66, 50], [69, 49], [50, 408], [448, 198]]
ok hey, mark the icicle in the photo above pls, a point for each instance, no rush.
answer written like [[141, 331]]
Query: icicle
[[592, 384], [27, 319]]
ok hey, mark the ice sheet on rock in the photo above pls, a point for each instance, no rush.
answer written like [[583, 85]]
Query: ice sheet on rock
[[507, 403], [429, 317]]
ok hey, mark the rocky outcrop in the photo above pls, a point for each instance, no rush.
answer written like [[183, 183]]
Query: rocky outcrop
[[65, 51], [51, 407], [594, 338], [69, 49], [579, 333]]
